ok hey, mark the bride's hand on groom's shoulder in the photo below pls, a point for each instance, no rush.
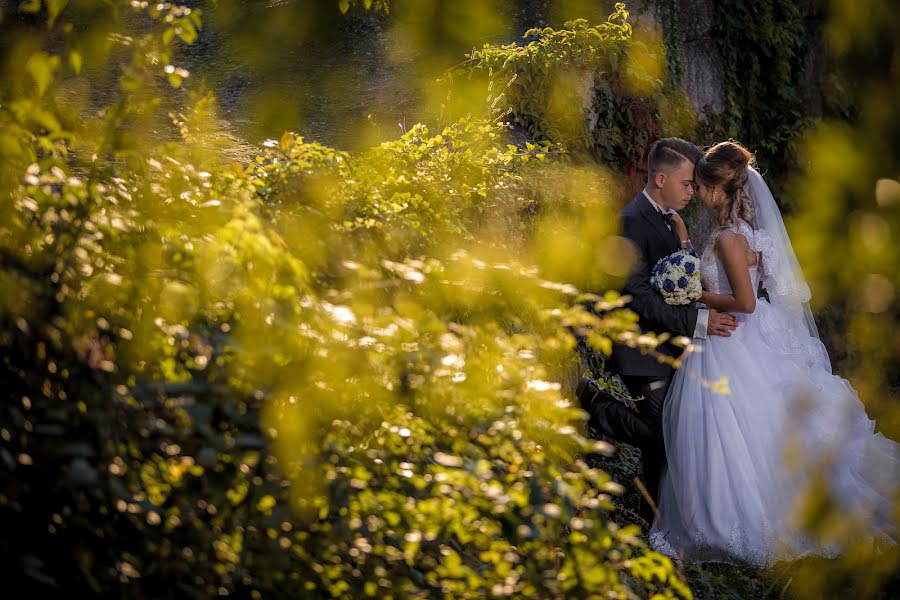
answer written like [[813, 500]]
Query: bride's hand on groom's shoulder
[[721, 323]]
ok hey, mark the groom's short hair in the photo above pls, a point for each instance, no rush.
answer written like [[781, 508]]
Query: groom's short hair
[[669, 153]]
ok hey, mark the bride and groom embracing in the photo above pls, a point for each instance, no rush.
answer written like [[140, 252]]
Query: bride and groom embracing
[[726, 466]]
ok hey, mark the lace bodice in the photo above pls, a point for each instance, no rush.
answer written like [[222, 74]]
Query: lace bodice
[[712, 270], [780, 327]]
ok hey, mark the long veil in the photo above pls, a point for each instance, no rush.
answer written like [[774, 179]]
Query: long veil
[[782, 278]]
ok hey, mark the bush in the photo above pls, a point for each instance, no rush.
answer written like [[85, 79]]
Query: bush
[[315, 374]]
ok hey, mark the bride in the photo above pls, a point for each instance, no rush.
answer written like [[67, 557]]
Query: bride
[[738, 461]]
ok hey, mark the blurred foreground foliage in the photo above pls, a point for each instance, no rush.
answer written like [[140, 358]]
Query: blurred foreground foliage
[[307, 374], [847, 209]]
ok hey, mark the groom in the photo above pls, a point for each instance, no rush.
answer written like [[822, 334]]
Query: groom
[[647, 222]]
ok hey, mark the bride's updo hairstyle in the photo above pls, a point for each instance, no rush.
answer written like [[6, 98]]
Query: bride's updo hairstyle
[[725, 165]]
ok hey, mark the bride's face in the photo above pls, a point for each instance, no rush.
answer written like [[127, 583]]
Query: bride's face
[[707, 194]]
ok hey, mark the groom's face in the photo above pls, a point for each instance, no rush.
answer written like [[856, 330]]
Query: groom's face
[[678, 186]]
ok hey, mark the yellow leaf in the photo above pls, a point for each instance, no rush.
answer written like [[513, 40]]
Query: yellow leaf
[[265, 504], [287, 138], [54, 7], [604, 344], [31, 6], [75, 61]]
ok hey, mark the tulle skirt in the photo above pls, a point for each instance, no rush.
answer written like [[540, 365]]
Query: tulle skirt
[[740, 463]]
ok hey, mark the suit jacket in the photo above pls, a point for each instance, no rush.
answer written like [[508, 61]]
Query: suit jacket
[[643, 225]]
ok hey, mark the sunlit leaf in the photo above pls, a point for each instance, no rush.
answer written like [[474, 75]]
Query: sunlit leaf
[[42, 66], [54, 7]]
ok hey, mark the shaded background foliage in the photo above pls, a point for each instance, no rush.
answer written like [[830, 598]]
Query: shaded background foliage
[[293, 370]]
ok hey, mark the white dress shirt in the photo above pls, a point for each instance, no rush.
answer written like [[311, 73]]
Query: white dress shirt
[[659, 208]]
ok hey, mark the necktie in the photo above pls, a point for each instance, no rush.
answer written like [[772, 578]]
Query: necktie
[[667, 219]]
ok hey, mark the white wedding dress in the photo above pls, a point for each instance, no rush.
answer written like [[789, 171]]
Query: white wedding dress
[[738, 461]]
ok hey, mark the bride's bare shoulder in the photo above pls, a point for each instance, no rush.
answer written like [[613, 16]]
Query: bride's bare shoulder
[[733, 245]]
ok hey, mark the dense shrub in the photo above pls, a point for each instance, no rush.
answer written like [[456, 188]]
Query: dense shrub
[[310, 374]]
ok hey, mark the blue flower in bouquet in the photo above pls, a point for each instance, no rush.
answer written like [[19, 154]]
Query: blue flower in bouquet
[[677, 277]]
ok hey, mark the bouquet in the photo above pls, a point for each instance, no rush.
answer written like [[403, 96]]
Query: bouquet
[[677, 277]]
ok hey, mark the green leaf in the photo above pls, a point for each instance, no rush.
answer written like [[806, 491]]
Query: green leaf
[[41, 66], [47, 120], [187, 32], [344, 5]]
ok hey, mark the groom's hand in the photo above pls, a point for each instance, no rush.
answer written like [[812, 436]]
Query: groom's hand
[[721, 323]]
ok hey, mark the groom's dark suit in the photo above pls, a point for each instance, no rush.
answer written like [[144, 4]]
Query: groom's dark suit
[[645, 375]]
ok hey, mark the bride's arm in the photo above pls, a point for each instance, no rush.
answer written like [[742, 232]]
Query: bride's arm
[[681, 229], [733, 250]]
